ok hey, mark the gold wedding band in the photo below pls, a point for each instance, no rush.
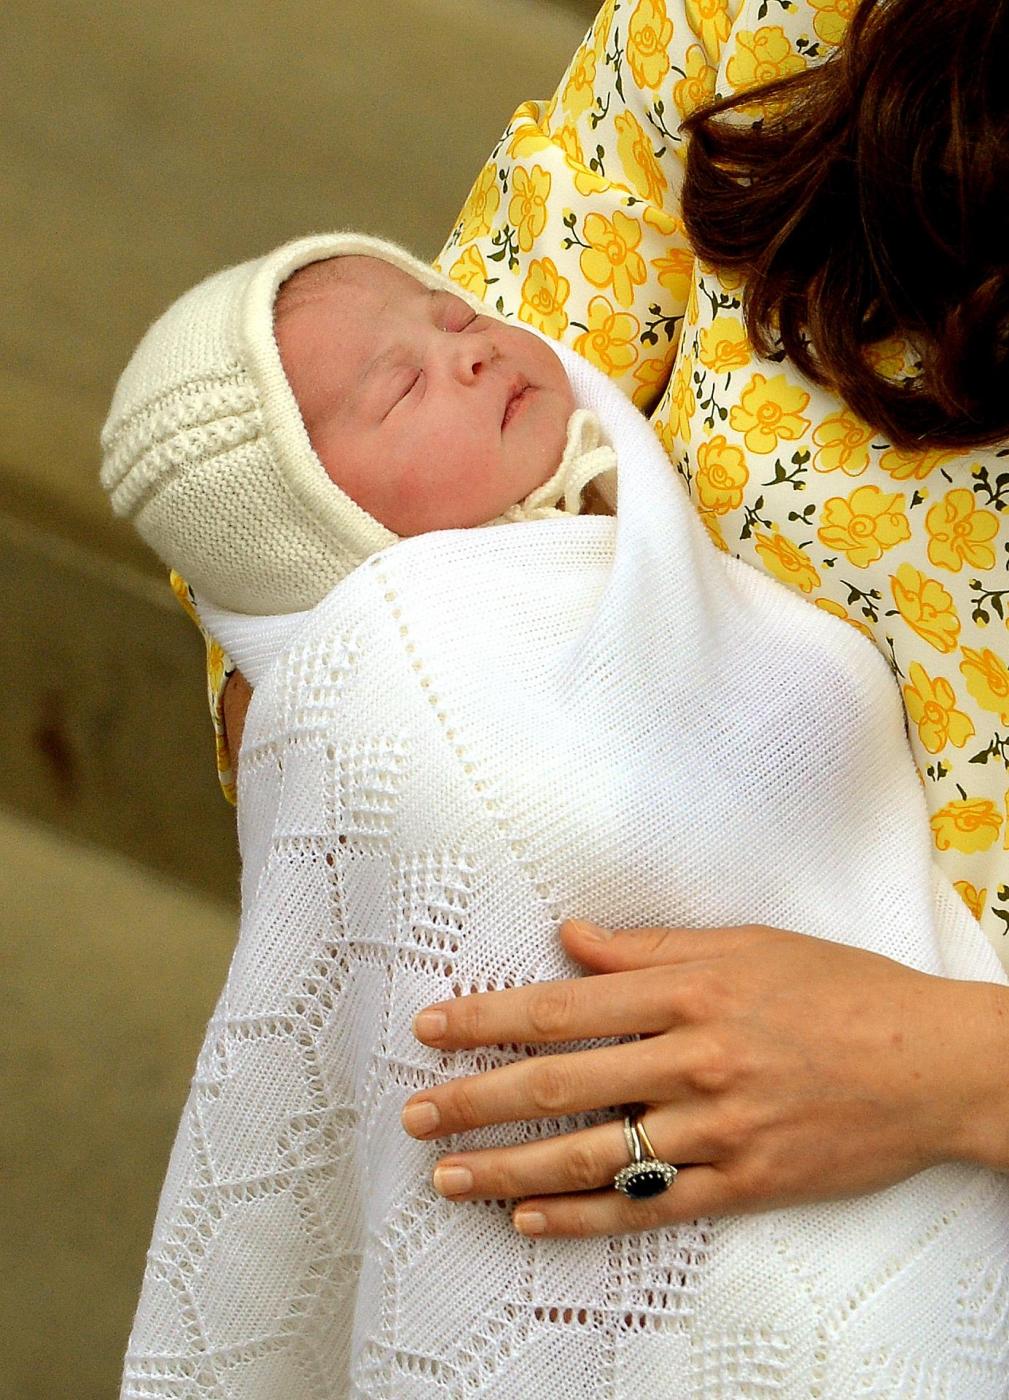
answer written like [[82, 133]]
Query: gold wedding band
[[646, 1141], [645, 1175]]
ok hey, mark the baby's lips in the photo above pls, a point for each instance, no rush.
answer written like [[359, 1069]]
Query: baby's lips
[[516, 391]]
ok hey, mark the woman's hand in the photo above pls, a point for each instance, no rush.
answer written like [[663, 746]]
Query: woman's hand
[[776, 1068], [234, 707]]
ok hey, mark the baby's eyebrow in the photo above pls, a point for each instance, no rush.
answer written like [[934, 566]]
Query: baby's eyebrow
[[378, 361]]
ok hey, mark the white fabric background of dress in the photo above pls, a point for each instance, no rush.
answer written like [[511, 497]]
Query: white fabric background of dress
[[474, 735]]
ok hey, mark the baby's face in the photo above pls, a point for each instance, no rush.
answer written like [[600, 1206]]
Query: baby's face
[[428, 416]]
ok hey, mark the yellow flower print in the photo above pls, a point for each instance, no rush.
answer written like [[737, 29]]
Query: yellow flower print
[[828, 605], [769, 410], [711, 22], [216, 669], [544, 293], [864, 524], [959, 533], [987, 680], [183, 597], [610, 341], [926, 607], [711, 524], [664, 432], [481, 206], [528, 139], [832, 18], [222, 759], [693, 307], [637, 156], [675, 271], [968, 826], [586, 181], [906, 465], [590, 181], [528, 207], [761, 56], [648, 35], [931, 705], [697, 86], [579, 90], [682, 400], [888, 357], [669, 225], [721, 475], [567, 138], [972, 897], [787, 562], [470, 272], [843, 441], [611, 259], [729, 279], [724, 345], [651, 376], [601, 28]]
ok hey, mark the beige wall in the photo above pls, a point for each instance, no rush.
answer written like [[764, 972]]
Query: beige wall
[[142, 145]]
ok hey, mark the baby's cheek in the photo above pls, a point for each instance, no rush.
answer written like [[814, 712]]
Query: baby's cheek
[[440, 490]]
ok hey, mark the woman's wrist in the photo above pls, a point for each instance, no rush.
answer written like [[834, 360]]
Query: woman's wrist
[[979, 1012]]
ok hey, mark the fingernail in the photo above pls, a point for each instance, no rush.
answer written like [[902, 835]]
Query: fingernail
[[420, 1118], [430, 1025], [453, 1181], [594, 932], [529, 1222]]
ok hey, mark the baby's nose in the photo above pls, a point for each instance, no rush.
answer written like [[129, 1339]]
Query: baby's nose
[[472, 354]]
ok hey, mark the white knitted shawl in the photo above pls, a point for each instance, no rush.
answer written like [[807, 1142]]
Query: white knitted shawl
[[478, 733]]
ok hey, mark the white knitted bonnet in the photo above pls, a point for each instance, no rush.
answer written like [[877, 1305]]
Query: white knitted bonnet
[[206, 452]]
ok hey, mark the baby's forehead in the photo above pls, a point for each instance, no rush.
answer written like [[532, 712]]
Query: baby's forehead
[[317, 279]]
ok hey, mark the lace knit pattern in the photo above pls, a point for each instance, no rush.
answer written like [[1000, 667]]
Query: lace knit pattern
[[476, 734]]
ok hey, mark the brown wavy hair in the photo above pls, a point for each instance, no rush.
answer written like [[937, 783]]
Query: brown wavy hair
[[872, 199]]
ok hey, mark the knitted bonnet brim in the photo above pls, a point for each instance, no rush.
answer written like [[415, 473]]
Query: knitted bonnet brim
[[205, 449]]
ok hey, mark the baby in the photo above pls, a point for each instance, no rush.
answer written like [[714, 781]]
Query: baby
[[292, 416], [474, 734]]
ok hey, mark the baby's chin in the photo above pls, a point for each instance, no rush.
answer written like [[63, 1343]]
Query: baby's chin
[[541, 445], [557, 432]]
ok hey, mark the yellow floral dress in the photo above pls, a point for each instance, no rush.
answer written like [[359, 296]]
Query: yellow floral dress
[[572, 226]]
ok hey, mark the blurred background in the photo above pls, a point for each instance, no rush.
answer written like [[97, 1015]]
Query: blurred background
[[142, 146]]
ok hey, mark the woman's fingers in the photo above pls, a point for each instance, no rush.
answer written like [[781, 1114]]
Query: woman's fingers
[[621, 950], [639, 1002], [658, 978], [567, 1181], [697, 1191], [582, 1161], [548, 1086]]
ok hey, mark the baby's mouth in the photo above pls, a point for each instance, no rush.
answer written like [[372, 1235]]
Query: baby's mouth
[[517, 395]]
